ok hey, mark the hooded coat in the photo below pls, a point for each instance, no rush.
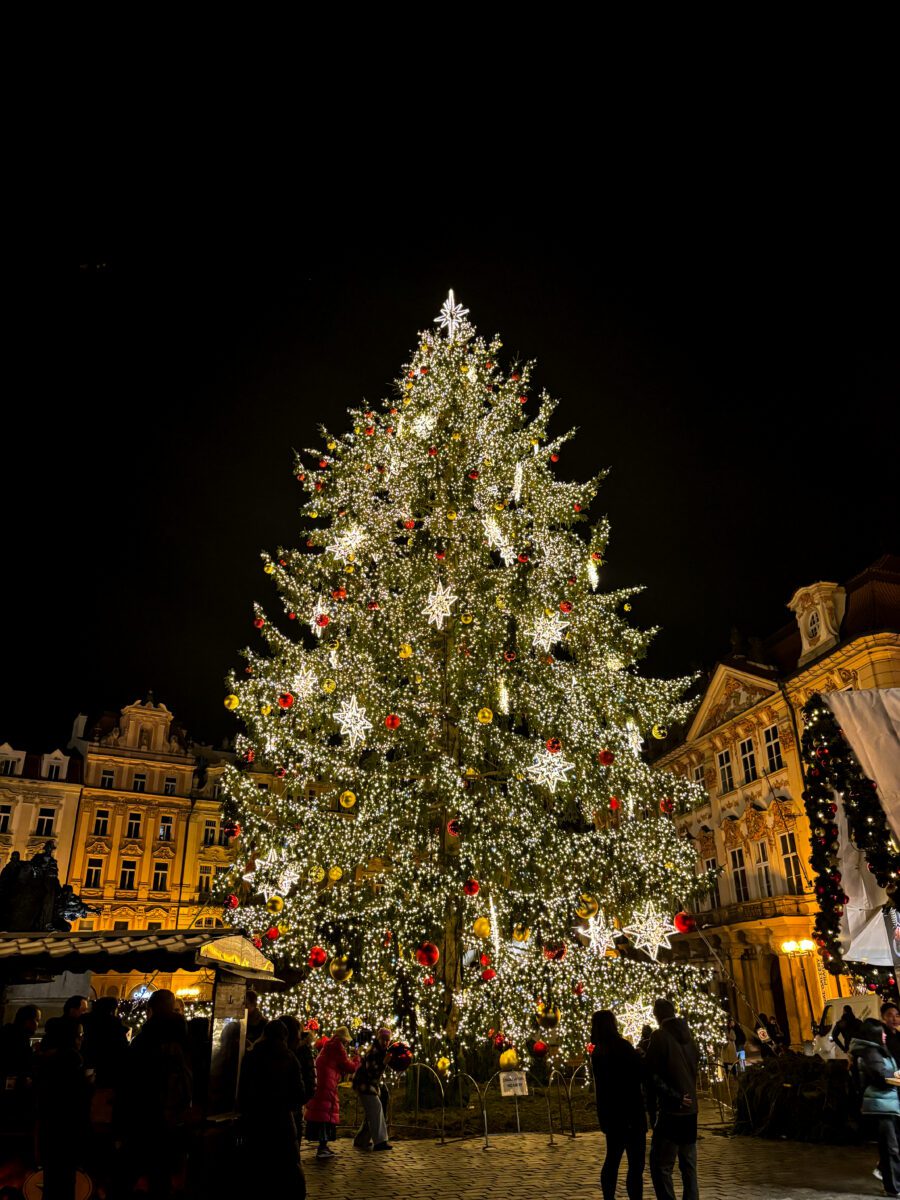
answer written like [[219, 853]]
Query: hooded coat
[[331, 1066], [873, 1066], [618, 1074], [672, 1062]]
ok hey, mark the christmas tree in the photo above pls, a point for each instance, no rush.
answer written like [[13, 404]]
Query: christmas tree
[[466, 839]]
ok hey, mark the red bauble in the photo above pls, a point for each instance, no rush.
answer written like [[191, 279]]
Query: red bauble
[[509, 655], [394, 411], [423, 370], [432, 451], [427, 954], [606, 758], [440, 555], [392, 721], [339, 593], [280, 772], [589, 1048], [370, 429], [399, 1055], [555, 953], [554, 458], [578, 989], [523, 558], [231, 901], [614, 802], [499, 1039], [428, 981], [409, 524], [412, 374], [523, 399], [317, 957], [539, 1049], [471, 887], [258, 622], [453, 827], [231, 829], [257, 942], [576, 507], [250, 756], [488, 974], [322, 620], [485, 960], [684, 922], [473, 474], [373, 606], [514, 377], [666, 805], [301, 478], [272, 933], [565, 606], [323, 463], [554, 745], [312, 1025], [292, 616], [285, 700], [318, 487]]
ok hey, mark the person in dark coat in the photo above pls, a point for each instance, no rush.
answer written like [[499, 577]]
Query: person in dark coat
[[62, 1107], [672, 1062], [105, 1042], [619, 1071], [198, 1051], [17, 1070], [270, 1093], [256, 1022], [302, 1051], [873, 1067], [368, 1083], [845, 1029], [154, 1102], [890, 1017]]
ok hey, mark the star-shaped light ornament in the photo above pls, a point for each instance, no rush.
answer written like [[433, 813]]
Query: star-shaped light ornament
[[303, 683], [650, 930], [451, 316], [547, 630], [353, 721], [345, 544], [496, 540], [601, 937], [439, 605], [550, 769], [275, 874], [632, 1019]]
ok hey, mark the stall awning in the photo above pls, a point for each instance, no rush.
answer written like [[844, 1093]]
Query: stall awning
[[23, 954]]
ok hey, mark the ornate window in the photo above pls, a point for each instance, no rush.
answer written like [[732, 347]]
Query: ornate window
[[92, 874], [160, 876], [773, 748], [44, 827], [739, 875], [126, 877], [726, 774], [792, 872], [763, 870], [748, 759], [107, 778], [133, 829], [101, 822], [169, 785]]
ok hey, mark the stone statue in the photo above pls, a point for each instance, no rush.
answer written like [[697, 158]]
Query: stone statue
[[31, 899]]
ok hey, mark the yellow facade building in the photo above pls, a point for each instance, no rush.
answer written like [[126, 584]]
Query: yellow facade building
[[742, 747]]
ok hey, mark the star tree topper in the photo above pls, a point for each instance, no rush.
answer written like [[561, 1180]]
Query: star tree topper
[[353, 720], [451, 316], [439, 605], [649, 930]]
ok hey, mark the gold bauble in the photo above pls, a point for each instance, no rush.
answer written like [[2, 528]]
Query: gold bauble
[[340, 970], [328, 685], [269, 568], [316, 874], [418, 679], [283, 929], [231, 702], [265, 709], [451, 515], [626, 607], [471, 772], [499, 507], [443, 1066], [547, 1017], [548, 612], [509, 1059], [482, 927], [406, 650], [588, 907], [313, 515], [485, 716], [274, 905], [350, 569], [535, 441], [335, 873], [356, 1023], [331, 445], [454, 437], [660, 732], [467, 618], [351, 557], [464, 369], [347, 799], [409, 384], [521, 933]]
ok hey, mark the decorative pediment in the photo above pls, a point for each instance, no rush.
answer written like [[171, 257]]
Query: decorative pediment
[[164, 851], [730, 693], [97, 846], [132, 847]]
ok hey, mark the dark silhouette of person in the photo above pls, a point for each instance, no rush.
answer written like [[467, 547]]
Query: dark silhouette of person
[[270, 1092], [62, 1107], [619, 1072], [672, 1062]]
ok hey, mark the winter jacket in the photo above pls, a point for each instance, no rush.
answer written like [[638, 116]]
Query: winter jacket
[[370, 1071], [304, 1056], [618, 1075], [271, 1089], [873, 1065], [331, 1065], [156, 1083], [672, 1061]]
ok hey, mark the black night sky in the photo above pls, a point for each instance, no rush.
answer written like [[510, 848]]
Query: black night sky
[[731, 355]]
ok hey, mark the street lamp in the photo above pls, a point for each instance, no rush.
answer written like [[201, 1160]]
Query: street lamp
[[802, 948]]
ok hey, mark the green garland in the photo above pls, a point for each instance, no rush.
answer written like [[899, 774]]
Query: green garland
[[830, 766]]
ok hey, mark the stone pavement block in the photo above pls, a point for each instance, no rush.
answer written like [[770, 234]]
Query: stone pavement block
[[526, 1167]]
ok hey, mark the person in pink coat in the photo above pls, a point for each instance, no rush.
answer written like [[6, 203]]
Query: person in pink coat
[[323, 1112]]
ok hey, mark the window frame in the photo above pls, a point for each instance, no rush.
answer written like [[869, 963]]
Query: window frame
[[726, 770], [170, 785], [160, 876], [107, 779], [747, 754], [139, 782], [738, 862], [132, 870], [790, 859], [43, 826], [764, 870], [774, 755], [5, 817], [93, 873]]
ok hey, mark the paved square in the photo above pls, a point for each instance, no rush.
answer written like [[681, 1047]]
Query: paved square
[[527, 1167]]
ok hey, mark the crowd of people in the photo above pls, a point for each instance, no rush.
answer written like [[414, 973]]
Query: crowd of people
[[127, 1111]]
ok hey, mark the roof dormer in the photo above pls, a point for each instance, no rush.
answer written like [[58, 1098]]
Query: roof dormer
[[819, 610]]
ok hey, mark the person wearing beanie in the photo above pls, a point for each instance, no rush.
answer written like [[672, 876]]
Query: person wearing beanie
[[368, 1085], [323, 1112]]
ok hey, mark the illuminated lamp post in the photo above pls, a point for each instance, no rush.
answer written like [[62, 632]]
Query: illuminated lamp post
[[800, 950]]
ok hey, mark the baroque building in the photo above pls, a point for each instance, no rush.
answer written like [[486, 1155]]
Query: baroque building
[[39, 796], [742, 748]]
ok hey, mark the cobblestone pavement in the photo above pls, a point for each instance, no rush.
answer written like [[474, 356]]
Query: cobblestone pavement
[[520, 1166]]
